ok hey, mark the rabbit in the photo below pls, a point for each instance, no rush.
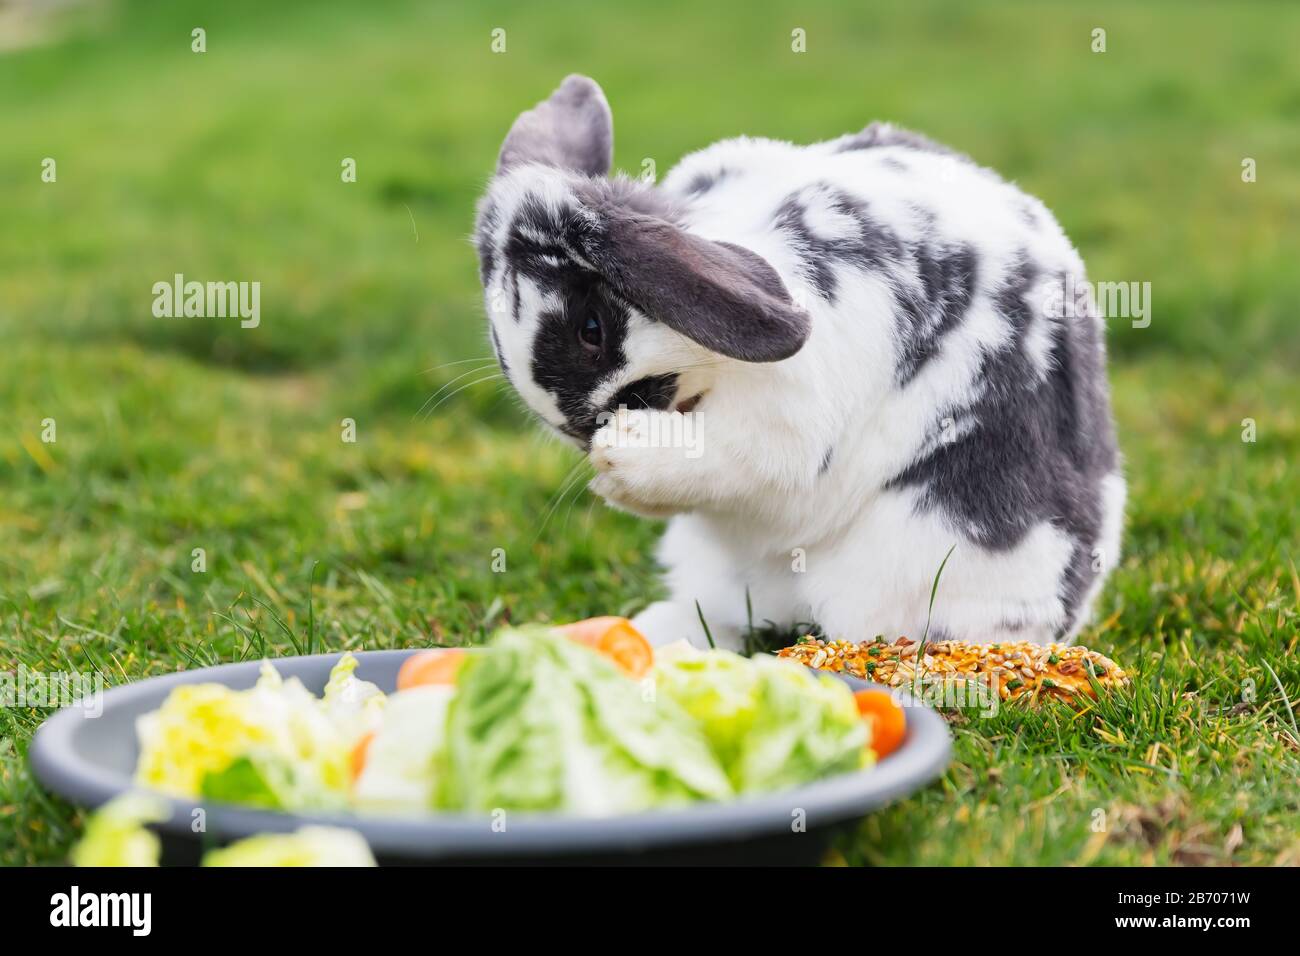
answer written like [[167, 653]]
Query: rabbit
[[890, 355]]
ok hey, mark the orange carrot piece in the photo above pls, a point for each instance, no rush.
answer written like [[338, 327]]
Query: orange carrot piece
[[628, 648], [360, 751], [430, 668], [591, 630], [617, 639], [888, 723]]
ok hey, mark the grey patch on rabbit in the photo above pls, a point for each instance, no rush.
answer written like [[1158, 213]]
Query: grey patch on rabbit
[[501, 357], [878, 134], [931, 310], [932, 284], [1038, 449], [705, 182], [871, 246], [825, 466]]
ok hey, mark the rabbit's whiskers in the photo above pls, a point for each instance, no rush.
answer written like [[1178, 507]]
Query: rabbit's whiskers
[[457, 391]]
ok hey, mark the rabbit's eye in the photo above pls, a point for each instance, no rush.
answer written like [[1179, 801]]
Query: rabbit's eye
[[591, 334]]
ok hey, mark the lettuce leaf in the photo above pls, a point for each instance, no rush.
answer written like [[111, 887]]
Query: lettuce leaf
[[356, 705], [202, 729], [806, 727], [541, 723], [115, 834], [772, 724], [258, 779]]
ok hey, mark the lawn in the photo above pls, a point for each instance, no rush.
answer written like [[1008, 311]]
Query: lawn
[[173, 435]]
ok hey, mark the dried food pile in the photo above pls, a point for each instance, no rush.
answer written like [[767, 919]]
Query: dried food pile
[[1014, 669]]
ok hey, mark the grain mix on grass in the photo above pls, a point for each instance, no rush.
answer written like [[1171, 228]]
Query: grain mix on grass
[[200, 501]]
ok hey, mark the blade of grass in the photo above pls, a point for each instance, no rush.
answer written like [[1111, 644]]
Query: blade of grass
[[708, 635]]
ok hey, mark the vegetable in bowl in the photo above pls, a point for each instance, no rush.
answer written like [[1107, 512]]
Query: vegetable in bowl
[[403, 815], [542, 719]]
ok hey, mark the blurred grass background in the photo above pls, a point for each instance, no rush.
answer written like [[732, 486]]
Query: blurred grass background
[[175, 434]]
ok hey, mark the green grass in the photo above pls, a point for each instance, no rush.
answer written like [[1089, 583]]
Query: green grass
[[193, 433]]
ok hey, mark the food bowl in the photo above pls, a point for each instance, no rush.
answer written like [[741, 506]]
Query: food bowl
[[89, 760]]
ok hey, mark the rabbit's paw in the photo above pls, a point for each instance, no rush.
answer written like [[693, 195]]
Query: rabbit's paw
[[640, 467]]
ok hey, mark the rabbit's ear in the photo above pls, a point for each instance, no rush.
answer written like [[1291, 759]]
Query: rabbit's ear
[[725, 297], [572, 129]]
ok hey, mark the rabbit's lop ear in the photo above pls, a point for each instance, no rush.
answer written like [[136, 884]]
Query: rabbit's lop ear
[[572, 129], [725, 297]]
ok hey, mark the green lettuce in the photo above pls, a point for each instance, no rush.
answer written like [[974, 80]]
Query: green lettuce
[[115, 834], [772, 724], [539, 722], [259, 778], [294, 754]]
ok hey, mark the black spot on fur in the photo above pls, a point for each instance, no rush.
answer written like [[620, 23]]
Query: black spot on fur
[[1038, 447], [501, 358], [561, 365], [534, 245], [893, 162], [932, 284], [825, 466], [934, 305], [702, 183], [869, 245], [654, 391]]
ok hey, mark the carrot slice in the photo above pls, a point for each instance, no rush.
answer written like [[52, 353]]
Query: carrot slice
[[430, 668], [617, 639], [360, 751], [591, 630], [628, 648], [888, 723]]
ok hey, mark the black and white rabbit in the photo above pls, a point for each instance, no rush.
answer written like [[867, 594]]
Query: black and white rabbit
[[874, 336]]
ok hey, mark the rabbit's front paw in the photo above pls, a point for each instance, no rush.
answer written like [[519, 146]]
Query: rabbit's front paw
[[624, 496], [640, 467]]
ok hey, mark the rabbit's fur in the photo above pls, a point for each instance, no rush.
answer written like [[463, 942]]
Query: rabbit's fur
[[886, 368]]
